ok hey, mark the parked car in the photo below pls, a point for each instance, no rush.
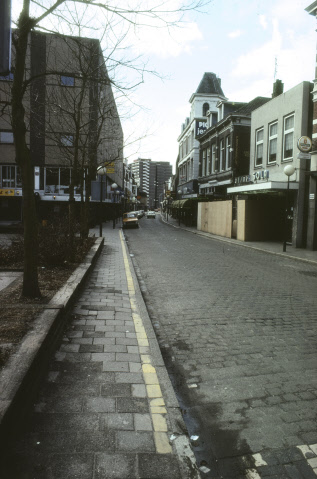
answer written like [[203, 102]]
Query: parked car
[[140, 214], [150, 214], [130, 220]]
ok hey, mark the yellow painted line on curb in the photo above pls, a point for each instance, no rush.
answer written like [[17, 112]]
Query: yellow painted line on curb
[[153, 389]]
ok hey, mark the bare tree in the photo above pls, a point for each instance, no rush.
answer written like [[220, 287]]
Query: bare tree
[[67, 12]]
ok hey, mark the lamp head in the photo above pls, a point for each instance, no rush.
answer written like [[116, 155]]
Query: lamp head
[[289, 170], [101, 170]]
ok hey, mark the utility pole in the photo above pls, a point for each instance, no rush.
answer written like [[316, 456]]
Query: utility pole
[[155, 194]]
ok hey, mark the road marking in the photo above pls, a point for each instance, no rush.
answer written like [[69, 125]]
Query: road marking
[[259, 461], [154, 392], [252, 474], [308, 450]]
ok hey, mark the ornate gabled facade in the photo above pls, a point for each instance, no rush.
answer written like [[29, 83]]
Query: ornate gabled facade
[[203, 105]]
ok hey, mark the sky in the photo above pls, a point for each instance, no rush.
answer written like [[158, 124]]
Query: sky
[[246, 43]]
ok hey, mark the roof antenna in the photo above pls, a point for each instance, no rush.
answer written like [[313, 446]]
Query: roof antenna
[[275, 70]]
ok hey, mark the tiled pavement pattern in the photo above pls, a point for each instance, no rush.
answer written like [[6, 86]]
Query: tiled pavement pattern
[[100, 413], [297, 463]]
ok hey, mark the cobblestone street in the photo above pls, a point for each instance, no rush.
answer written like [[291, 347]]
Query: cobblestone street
[[238, 331]]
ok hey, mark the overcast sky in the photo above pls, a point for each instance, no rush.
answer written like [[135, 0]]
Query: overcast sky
[[247, 43], [238, 40]]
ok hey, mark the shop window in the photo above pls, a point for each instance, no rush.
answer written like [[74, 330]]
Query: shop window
[[259, 147], [8, 176], [288, 143], [6, 137], [57, 180], [51, 180], [272, 150]]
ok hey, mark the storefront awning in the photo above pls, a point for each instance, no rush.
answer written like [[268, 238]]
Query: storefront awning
[[185, 203], [266, 187]]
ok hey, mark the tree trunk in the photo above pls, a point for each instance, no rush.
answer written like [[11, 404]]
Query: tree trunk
[[23, 157]]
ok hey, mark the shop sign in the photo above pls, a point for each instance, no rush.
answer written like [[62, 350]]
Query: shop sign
[[110, 168], [201, 127], [261, 175], [304, 144], [241, 180], [6, 192]]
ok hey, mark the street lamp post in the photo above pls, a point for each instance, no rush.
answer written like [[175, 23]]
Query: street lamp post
[[167, 206], [180, 192], [114, 186], [289, 170], [101, 171]]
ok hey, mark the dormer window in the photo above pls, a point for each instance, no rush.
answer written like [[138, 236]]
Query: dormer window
[[205, 108]]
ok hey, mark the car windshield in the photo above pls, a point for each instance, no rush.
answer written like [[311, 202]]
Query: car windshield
[[130, 215]]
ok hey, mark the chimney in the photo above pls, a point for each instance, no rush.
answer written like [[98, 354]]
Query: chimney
[[278, 88]]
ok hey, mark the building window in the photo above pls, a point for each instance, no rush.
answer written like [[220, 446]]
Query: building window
[[6, 137], [57, 180], [67, 140], [288, 143], [222, 155], [204, 163], [208, 167], [67, 80], [214, 118], [10, 177], [8, 77], [193, 139], [205, 108], [228, 151], [213, 158], [272, 150], [259, 148]]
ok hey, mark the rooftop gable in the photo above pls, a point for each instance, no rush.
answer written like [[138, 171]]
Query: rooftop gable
[[210, 84]]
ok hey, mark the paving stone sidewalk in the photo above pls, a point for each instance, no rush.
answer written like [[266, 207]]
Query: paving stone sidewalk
[[106, 408]]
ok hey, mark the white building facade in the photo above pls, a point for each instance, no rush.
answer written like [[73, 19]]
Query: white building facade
[[275, 129], [203, 102]]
